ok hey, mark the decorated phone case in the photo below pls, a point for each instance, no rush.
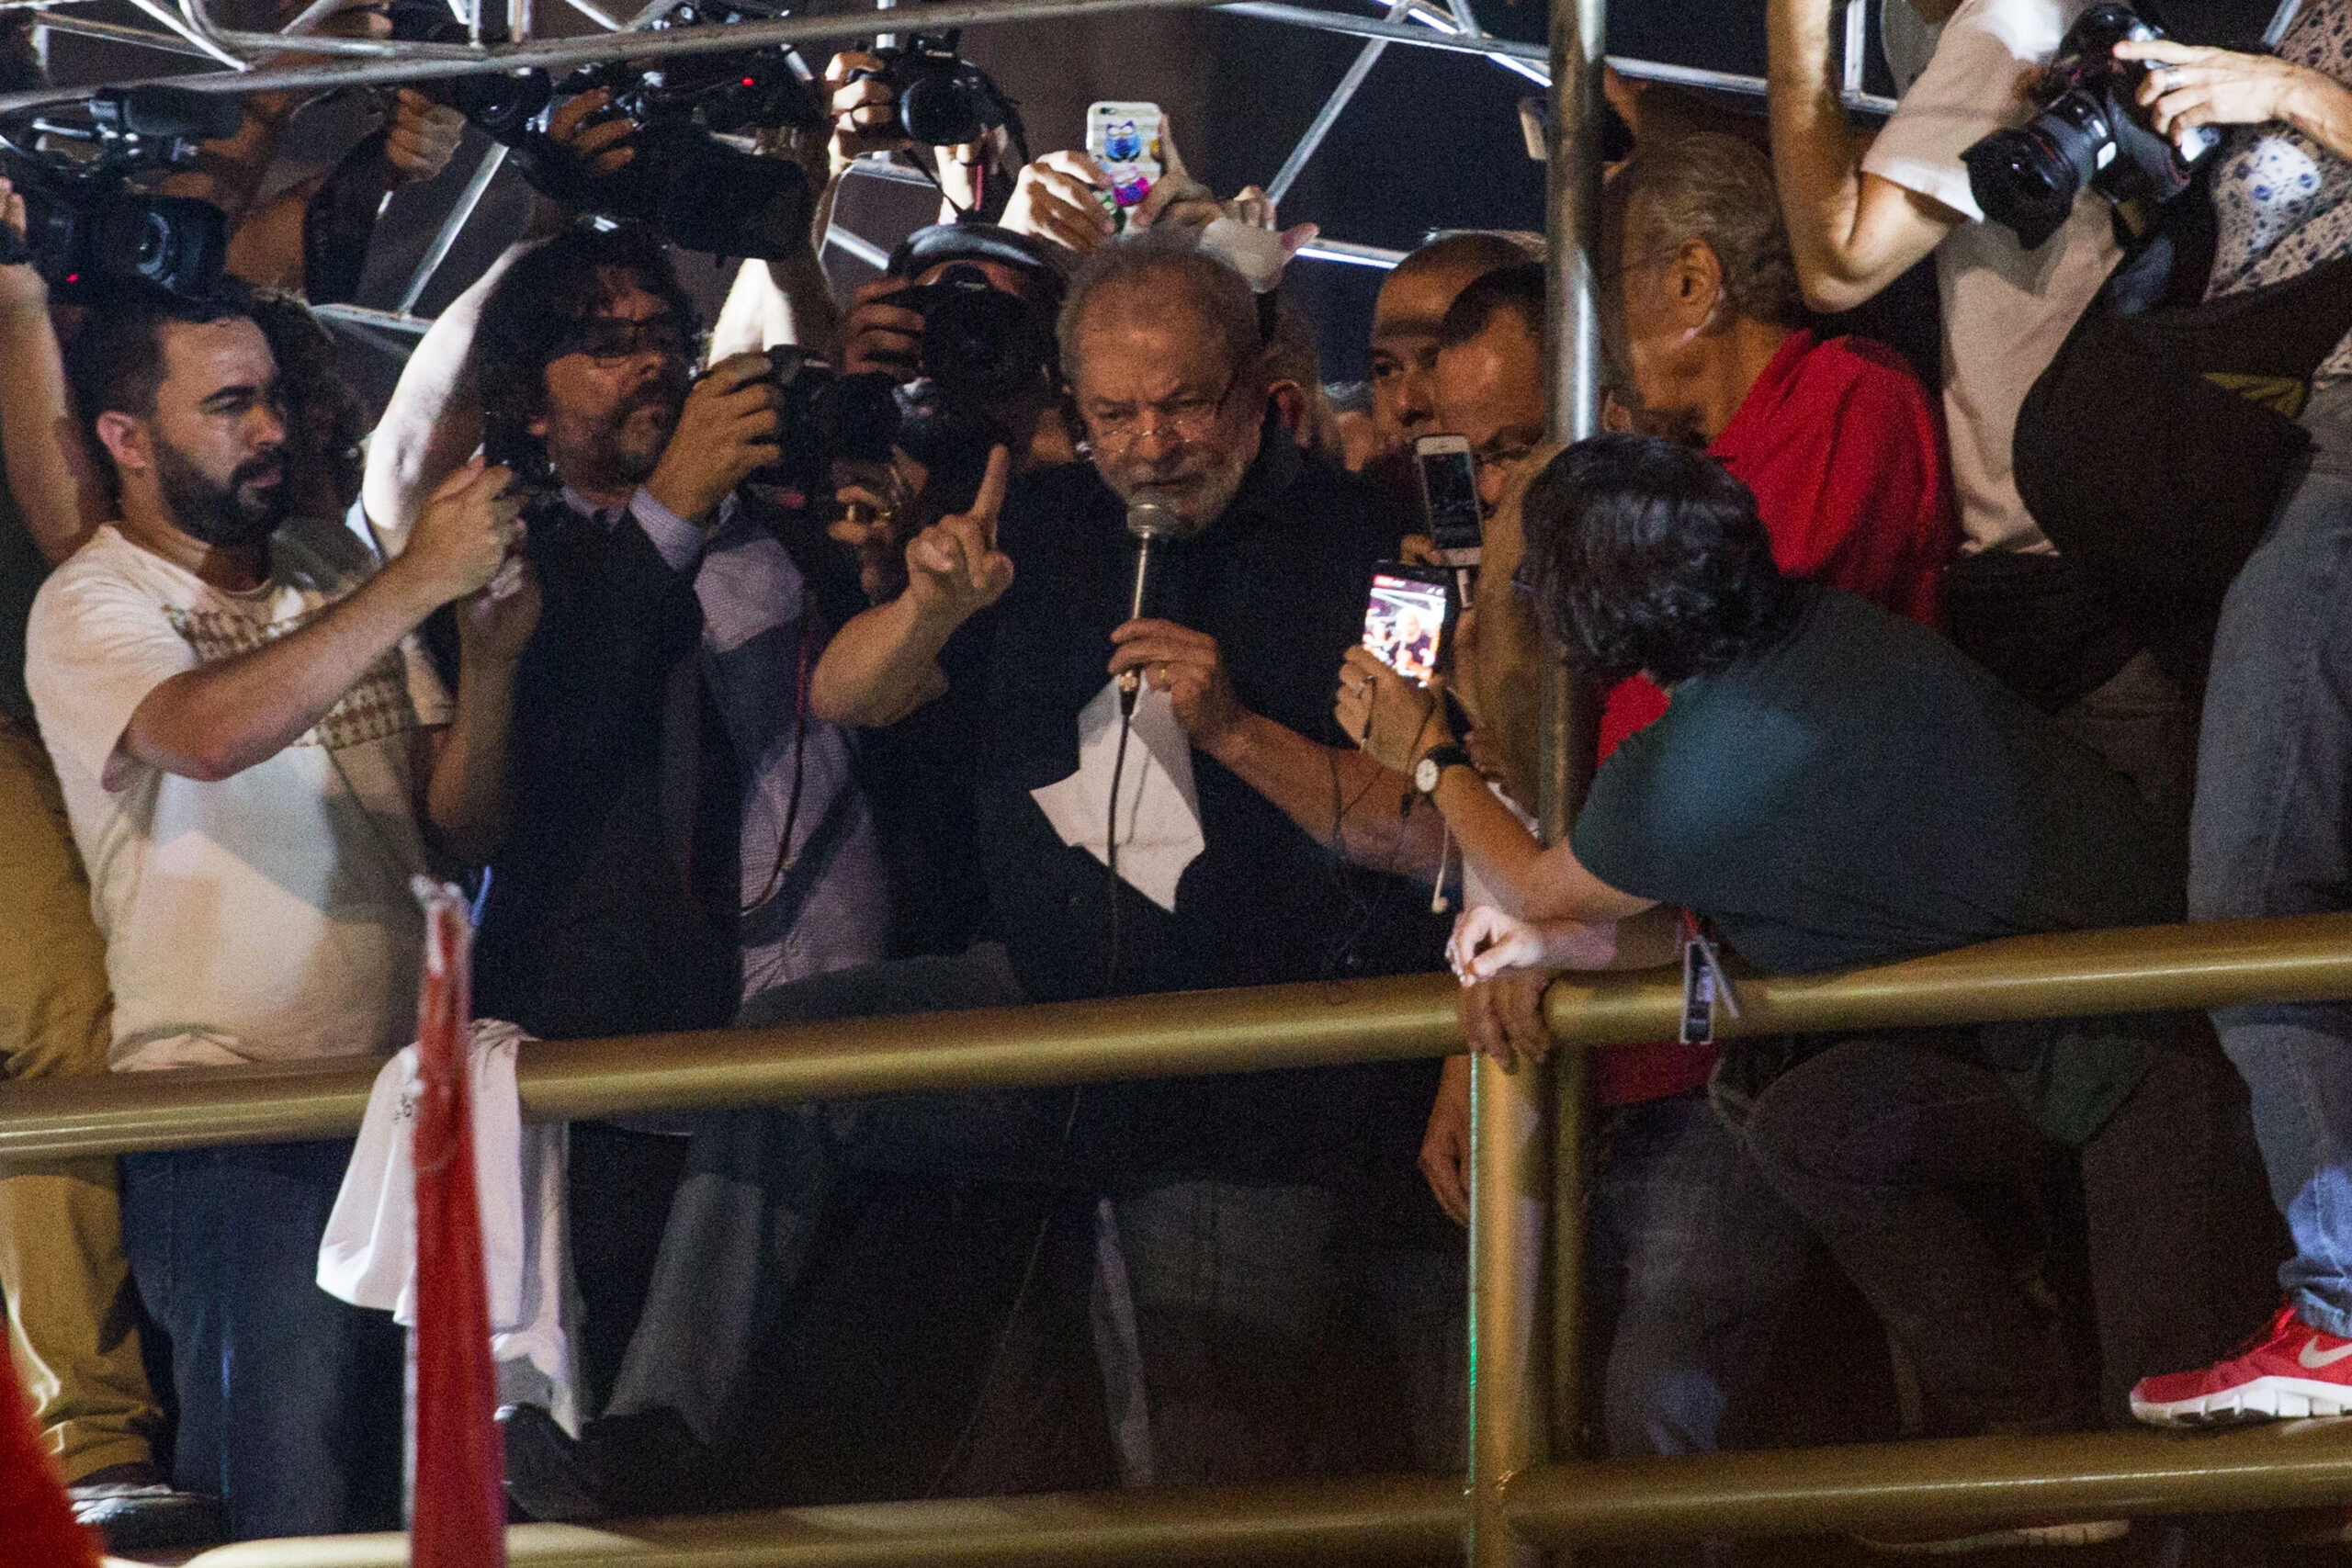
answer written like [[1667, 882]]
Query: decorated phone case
[[1124, 139]]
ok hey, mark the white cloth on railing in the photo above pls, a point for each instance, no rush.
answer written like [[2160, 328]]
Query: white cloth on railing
[[368, 1255]]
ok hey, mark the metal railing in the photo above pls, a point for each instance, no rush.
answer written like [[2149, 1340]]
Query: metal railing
[[1511, 1512]]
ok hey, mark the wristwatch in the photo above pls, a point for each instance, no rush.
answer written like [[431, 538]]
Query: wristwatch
[[1434, 762]]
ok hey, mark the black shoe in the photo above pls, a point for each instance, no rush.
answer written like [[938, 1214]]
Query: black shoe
[[631, 1466], [133, 1508]]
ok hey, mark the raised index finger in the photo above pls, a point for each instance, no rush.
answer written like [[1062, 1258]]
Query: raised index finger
[[990, 502]]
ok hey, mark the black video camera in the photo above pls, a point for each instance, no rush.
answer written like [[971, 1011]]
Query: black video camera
[[84, 222], [943, 99], [701, 193], [2090, 131]]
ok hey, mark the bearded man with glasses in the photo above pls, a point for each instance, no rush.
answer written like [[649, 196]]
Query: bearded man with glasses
[[680, 837]]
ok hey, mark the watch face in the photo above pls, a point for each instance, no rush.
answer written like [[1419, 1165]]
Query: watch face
[[1426, 774]]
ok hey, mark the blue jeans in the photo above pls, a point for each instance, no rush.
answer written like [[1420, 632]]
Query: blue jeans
[[289, 1400], [1694, 1257], [2272, 835]]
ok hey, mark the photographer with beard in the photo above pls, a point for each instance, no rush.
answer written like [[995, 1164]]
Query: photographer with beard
[[254, 757], [680, 836]]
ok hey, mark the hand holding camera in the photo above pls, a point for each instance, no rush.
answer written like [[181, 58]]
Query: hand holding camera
[[727, 430], [2186, 86], [421, 136], [865, 117], [2091, 132], [465, 533], [882, 334], [1060, 197]]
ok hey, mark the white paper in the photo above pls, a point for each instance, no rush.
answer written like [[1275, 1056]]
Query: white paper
[[1160, 814]]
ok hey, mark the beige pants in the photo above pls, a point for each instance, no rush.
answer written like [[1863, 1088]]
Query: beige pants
[[70, 1329]]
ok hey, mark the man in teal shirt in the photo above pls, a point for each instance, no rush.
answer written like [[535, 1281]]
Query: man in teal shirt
[[1834, 786]]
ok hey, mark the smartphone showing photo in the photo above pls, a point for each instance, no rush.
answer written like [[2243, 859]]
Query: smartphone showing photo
[[1449, 478], [1124, 138], [1408, 618]]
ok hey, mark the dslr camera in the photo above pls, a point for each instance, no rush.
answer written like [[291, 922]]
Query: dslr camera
[[987, 356], [2090, 131], [943, 99], [84, 222], [702, 193]]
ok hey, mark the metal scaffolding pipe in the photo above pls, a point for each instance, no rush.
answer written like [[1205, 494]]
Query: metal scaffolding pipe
[[118, 32], [1333, 106], [565, 53], [411, 65], [447, 236], [1728, 82]]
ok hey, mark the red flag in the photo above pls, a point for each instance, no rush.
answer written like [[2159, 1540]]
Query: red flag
[[37, 1528], [460, 1469]]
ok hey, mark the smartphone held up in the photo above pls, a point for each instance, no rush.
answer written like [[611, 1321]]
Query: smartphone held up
[[1123, 139], [1408, 618], [1449, 481]]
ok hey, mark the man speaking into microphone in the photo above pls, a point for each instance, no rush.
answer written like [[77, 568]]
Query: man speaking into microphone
[[1026, 611]]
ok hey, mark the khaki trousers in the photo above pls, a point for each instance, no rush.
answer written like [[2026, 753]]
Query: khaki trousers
[[72, 1332]]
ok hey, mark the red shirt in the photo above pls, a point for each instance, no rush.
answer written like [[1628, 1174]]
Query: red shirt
[[1845, 452]]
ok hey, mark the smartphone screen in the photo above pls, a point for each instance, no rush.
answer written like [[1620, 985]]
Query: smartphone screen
[[1405, 622], [1124, 138], [1448, 495]]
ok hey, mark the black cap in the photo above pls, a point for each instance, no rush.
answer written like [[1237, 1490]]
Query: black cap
[[928, 248]]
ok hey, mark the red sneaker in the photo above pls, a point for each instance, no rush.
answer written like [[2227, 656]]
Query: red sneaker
[[2292, 1369]]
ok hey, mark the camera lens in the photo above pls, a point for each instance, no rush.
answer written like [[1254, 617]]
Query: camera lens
[[153, 245], [2027, 179], [502, 105], [941, 111]]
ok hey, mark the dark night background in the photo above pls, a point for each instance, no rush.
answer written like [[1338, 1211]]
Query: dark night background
[[1431, 141]]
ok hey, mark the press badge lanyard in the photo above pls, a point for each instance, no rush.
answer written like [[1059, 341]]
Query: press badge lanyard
[[1703, 980]]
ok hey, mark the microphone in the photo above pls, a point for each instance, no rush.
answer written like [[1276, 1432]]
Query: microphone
[[1155, 527]]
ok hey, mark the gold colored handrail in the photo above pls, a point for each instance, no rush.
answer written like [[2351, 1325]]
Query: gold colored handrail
[[1914, 1487], [1411, 1518], [1892, 1489], [1923, 1490], [1201, 1032]]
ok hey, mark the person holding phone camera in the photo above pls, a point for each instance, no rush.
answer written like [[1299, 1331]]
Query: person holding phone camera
[[210, 674], [1840, 445], [1985, 819]]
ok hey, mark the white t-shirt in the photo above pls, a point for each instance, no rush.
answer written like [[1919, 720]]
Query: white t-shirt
[[265, 918], [2006, 309]]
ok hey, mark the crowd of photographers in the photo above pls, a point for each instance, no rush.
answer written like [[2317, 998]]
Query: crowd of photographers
[[999, 634]]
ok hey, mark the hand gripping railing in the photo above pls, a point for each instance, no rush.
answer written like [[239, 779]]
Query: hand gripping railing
[[1963, 1485]]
